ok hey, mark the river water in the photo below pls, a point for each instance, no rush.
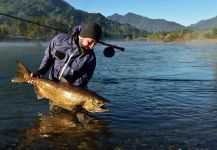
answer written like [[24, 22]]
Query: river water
[[163, 96]]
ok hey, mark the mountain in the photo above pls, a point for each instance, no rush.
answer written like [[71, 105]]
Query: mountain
[[144, 23], [205, 24], [60, 14]]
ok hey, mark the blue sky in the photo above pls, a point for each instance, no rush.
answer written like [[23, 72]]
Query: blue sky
[[185, 12]]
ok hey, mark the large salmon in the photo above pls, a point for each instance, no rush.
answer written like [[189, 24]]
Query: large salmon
[[62, 94]]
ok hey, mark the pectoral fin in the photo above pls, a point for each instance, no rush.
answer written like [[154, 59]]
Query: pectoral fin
[[63, 80], [38, 93]]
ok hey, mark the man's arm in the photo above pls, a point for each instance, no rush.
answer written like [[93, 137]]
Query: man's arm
[[48, 58]]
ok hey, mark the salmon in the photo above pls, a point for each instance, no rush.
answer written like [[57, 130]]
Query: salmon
[[62, 94]]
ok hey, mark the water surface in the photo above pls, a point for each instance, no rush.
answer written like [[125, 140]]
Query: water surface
[[163, 96]]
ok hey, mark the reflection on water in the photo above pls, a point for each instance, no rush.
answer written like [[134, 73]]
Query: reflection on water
[[163, 96], [65, 130]]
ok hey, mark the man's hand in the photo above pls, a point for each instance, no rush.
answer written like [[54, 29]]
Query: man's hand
[[35, 75]]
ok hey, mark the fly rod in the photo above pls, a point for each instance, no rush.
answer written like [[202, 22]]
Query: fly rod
[[50, 27]]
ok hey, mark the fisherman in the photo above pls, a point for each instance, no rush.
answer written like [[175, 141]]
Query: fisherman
[[71, 56]]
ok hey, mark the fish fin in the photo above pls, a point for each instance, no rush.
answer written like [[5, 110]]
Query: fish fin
[[22, 73], [63, 80], [38, 93]]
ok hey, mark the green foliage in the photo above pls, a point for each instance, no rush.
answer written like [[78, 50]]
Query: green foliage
[[183, 35], [214, 32], [170, 37], [60, 15], [155, 37], [3, 31]]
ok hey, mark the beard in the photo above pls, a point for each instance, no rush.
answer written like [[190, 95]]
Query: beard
[[82, 48]]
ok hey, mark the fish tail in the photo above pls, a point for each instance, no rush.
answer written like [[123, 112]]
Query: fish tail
[[23, 74]]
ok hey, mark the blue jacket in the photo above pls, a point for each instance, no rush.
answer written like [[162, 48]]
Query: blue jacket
[[80, 67]]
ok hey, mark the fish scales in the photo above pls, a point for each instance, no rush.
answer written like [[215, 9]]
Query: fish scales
[[63, 94]]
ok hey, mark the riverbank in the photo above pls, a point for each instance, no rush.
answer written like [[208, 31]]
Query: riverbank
[[41, 42], [202, 41]]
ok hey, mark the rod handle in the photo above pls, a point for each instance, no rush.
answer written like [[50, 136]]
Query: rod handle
[[114, 46]]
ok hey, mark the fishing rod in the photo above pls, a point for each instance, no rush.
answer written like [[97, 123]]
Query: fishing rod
[[108, 51]]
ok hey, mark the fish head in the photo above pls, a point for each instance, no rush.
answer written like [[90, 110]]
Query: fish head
[[96, 105]]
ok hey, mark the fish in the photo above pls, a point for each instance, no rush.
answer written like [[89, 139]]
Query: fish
[[62, 94]]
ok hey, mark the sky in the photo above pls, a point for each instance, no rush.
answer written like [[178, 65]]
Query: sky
[[185, 12]]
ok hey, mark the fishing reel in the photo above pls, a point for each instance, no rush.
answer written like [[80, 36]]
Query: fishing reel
[[109, 50]]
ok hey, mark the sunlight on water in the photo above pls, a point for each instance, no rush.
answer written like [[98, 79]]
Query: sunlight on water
[[163, 96]]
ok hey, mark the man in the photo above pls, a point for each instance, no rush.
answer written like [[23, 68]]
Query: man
[[71, 56]]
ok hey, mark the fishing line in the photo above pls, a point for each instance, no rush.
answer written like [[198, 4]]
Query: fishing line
[[32, 22]]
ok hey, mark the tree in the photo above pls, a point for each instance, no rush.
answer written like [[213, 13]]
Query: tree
[[3, 30], [214, 32]]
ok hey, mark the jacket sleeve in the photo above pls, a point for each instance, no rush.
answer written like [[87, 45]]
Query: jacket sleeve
[[48, 59]]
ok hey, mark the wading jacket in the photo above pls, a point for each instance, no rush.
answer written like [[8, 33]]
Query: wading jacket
[[80, 67]]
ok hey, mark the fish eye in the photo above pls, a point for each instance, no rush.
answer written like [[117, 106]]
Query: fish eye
[[97, 102]]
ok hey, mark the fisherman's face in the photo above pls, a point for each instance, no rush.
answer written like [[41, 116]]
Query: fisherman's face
[[86, 44]]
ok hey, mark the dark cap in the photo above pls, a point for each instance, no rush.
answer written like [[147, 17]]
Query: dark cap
[[91, 30]]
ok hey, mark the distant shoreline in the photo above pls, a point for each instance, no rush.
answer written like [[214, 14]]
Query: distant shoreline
[[202, 40], [17, 39], [20, 40]]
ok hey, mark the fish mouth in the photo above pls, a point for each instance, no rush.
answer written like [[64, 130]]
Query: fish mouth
[[101, 109]]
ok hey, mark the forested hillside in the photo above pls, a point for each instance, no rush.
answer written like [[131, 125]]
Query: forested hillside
[[59, 14]]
